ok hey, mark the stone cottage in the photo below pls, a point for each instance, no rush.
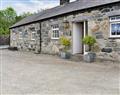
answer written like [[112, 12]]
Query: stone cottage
[[41, 32]]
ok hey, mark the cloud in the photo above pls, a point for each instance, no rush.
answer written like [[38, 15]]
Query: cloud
[[32, 6]]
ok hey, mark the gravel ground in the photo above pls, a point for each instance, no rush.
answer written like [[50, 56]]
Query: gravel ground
[[27, 73]]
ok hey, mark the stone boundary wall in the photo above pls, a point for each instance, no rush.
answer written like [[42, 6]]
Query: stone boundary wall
[[4, 39]]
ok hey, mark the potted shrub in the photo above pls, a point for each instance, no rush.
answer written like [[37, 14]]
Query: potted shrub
[[65, 42], [90, 56]]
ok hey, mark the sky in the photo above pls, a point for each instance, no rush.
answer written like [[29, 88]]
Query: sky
[[32, 6]]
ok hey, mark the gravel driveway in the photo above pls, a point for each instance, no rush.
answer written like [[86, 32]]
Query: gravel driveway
[[27, 73]]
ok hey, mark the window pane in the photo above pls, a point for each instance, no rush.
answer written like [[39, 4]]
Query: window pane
[[20, 35], [115, 29], [53, 34], [118, 31], [25, 35], [118, 17], [55, 31], [33, 35], [115, 18]]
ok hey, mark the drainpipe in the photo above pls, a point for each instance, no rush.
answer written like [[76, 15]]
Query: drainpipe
[[40, 38], [9, 36]]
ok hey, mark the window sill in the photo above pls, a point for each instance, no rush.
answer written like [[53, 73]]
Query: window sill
[[55, 38], [20, 38], [32, 39], [114, 37]]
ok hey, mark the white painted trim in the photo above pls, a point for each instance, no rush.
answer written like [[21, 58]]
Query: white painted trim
[[54, 29], [72, 36], [84, 35], [115, 20], [13, 36], [19, 35], [113, 36], [32, 35], [55, 38]]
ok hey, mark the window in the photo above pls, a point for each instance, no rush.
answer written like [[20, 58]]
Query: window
[[20, 35], [25, 34], [115, 26], [55, 31], [13, 36], [33, 35]]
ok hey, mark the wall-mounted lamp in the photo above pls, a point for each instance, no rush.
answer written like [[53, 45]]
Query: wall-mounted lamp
[[66, 24]]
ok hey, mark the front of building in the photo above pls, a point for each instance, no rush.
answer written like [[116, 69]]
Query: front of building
[[42, 35]]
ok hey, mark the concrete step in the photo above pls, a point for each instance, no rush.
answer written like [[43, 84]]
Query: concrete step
[[77, 57]]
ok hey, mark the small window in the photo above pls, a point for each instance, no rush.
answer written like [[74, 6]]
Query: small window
[[33, 35], [25, 34], [13, 36], [55, 31], [115, 26], [20, 35]]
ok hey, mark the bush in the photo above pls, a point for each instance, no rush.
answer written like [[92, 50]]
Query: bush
[[65, 42], [90, 41]]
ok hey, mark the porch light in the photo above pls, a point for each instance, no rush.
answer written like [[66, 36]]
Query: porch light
[[66, 24]]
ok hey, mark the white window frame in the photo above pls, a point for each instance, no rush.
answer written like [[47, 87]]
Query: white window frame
[[20, 35], [32, 35], [53, 30], [13, 36], [115, 21]]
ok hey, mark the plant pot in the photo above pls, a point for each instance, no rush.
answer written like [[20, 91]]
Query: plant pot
[[90, 57], [65, 55]]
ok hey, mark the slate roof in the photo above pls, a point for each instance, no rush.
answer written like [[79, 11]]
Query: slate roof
[[63, 9]]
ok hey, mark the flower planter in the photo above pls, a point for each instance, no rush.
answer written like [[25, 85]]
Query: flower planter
[[65, 55], [90, 57]]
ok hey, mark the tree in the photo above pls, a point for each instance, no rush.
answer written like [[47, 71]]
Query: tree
[[8, 17]]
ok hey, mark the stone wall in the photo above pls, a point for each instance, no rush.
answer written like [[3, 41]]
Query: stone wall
[[50, 45], [25, 40], [98, 26]]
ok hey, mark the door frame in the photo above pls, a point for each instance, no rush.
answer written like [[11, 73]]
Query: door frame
[[84, 34]]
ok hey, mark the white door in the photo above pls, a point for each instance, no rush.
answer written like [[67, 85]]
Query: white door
[[77, 38]]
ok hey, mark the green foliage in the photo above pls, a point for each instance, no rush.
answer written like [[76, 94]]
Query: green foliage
[[8, 17], [65, 42], [90, 41]]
